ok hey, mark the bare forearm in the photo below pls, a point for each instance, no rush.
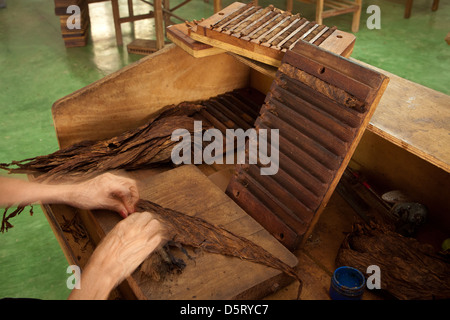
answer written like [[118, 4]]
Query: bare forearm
[[106, 191], [21, 192], [122, 250], [94, 285]]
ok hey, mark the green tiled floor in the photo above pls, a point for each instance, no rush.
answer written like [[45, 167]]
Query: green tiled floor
[[36, 70]]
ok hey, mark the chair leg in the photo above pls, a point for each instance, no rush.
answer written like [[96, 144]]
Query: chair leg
[[408, 8], [319, 11], [116, 17], [167, 21], [435, 5], [217, 5], [289, 5], [357, 16], [159, 24], [130, 8]]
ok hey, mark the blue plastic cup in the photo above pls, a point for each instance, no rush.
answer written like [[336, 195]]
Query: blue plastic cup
[[347, 283]]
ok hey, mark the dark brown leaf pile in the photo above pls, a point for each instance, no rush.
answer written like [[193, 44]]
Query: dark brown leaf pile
[[410, 270], [198, 233], [142, 147]]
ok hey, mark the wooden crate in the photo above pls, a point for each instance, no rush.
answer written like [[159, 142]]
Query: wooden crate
[[73, 37]]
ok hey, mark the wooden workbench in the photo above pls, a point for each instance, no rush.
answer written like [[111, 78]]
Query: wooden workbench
[[415, 118], [126, 98]]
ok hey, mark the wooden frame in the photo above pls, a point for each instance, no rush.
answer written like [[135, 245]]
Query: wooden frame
[[144, 87]]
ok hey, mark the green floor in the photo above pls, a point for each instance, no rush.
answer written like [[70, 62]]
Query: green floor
[[36, 69]]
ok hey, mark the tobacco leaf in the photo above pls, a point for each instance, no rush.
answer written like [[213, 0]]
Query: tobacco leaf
[[410, 270], [143, 147], [198, 233], [146, 146]]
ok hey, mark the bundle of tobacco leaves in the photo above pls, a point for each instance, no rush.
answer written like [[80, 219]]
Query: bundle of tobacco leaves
[[409, 269], [198, 233], [146, 146], [139, 148]]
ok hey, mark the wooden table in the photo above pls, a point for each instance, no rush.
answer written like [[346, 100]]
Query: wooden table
[[410, 116]]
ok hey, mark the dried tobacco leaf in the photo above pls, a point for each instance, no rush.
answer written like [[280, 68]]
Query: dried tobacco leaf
[[198, 233], [410, 270], [139, 148], [143, 147]]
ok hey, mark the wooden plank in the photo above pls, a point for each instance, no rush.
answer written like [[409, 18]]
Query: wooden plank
[[256, 65], [188, 190], [248, 49], [142, 46], [178, 34], [415, 118]]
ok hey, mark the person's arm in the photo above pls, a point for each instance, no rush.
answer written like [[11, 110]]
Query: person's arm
[[123, 249], [106, 191]]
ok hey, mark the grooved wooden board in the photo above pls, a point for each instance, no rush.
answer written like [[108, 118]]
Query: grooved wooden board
[[208, 276], [321, 104], [265, 34]]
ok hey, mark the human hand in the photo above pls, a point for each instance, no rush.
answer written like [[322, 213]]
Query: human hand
[[107, 191], [123, 249]]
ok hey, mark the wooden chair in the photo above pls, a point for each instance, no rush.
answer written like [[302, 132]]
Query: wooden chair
[[130, 18], [331, 8], [409, 3], [162, 14], [157, 14]]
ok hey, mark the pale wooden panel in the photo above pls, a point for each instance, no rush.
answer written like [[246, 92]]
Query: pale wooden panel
[[416, 118], [126, 98]]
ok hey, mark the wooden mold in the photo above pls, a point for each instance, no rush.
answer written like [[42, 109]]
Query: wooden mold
[[265, 34], [321, 103]]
